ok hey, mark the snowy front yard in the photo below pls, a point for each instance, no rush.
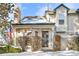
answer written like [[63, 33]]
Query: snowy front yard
[[41, 53]]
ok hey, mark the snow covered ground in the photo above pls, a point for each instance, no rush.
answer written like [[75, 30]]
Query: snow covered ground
[[41, 53]]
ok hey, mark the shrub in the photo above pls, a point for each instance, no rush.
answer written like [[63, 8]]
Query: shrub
[[74, 43], [76, 39], [14, 50], [2, 50], [34, 41], [9, 49]]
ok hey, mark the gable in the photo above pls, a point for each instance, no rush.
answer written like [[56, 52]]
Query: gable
[[61, 5], [61, 9]]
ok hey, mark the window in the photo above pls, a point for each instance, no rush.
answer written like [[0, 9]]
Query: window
[[36, 33], [61, 18]]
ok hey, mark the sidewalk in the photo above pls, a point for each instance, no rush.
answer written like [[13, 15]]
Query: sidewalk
[[41, 53]]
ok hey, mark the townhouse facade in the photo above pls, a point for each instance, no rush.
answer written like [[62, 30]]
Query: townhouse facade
[[59, 22]]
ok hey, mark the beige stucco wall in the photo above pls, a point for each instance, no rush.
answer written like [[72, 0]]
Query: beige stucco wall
[[64, 26], [51, 18], [71, 22]]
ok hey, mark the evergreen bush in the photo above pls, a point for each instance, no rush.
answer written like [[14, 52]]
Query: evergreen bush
[[9, 49]]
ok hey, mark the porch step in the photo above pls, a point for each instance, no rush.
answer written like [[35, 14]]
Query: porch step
[[45, 49]]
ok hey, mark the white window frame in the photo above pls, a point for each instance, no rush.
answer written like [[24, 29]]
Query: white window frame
[[61, 19]]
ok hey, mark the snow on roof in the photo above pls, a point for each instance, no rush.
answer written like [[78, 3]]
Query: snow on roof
[[34, 20]]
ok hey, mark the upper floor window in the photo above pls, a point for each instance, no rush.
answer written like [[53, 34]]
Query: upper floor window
[[61, 18]]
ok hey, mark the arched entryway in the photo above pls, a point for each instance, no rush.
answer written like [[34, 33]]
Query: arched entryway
[[57, 43]]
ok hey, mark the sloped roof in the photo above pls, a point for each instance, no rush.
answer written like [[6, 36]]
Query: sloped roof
[[53, 11], [34, 20], [72, 11], [60, 6]]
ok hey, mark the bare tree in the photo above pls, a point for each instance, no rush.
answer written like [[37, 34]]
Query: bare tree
[[5, 9]]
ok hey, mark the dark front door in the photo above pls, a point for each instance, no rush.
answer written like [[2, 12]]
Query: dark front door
[[44, 38]]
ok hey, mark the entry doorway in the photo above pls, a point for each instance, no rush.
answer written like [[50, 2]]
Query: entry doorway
[[57, 42], [45, 38]]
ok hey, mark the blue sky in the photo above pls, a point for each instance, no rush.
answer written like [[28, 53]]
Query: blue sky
[[38, 9]]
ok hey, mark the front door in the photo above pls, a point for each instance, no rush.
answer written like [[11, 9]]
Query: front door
[[44, 38], [57, 42]]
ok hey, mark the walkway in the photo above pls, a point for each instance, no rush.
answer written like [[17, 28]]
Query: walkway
[[41, 53]]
